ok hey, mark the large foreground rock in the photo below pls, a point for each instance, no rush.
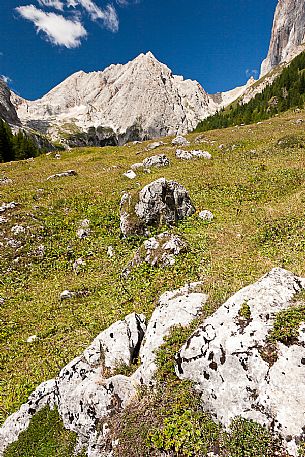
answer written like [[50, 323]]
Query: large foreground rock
[[160, 202], [225, 359], [87, 391]]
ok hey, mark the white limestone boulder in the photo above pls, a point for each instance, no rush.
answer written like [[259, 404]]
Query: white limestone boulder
[[159, 160], [159, 202], [178, 307], [225, 360]]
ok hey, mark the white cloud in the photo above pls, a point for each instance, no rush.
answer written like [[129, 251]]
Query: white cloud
[[107, 15], [57, 4], [6, 79], [57, 29]]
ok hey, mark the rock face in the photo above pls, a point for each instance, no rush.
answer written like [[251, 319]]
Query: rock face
[[288, 34], [139, 100], [156, 161], [7, 109], [158, 251], [227, 359], [85, 391], [159, 202]]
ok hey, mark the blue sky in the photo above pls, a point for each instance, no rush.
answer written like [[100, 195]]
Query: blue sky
[[217, 42]]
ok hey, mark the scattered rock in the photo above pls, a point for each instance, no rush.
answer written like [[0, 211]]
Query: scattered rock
[[110, 251], [39, 251], [184, 155], [84, 230], [201, 154], [156, 161], [224, 360], [3, 220], [206, 215], [137, 166], [32, 338], [18, 229], [158, 251], [12, 243], [180, 140], [5, 180], [5, 206], [63, 174], [188, 155], [78, 265], [66, 294], [2, 301], [157, 203], [221, 146], [57, 156], [154, 145], [130, 174]]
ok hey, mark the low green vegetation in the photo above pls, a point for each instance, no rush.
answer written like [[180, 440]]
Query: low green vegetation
[[286, 92], [45, 437], [245, 311], [287, 323], [253, 186]]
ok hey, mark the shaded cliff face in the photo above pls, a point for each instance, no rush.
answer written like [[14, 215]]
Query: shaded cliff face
[[288, 33], [7, 109]]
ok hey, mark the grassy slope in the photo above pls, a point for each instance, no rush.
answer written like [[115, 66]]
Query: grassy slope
[[258, 202]]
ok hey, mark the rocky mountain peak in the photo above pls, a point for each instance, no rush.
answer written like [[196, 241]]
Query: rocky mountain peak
[[288, 34]]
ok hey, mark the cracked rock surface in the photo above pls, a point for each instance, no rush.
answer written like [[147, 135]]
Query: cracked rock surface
[[86, 391], [159, 202], [160, 250], [224, 360]]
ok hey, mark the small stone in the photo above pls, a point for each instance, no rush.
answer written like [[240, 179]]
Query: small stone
[[63, 174], [110, 251], [2, 301], [137, 166], [184, 155], [17, 229], [32, 338], [130, 174], [57, 156], [12, 243], [6, 206], [156, 161], [5, 180], [66, 294], [180, 140], [201, 154], [154, 145], [78, 264], [206, 215]]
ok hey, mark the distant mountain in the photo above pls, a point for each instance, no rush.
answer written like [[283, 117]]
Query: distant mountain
[[7, 109], [288, 34], [139, 100]]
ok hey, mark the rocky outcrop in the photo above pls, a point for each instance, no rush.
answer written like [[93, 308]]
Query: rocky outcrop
[[288, 34], [232, 365], [160, 202], [158, 251], [156, 161], [86, 392], [7, 109]]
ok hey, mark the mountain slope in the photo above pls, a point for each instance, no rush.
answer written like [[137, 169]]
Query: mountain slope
[[288, 34], [7, 109], [138, 100], [285, 92]]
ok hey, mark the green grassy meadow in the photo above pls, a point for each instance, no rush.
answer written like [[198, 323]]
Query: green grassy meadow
[[254, 185]]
